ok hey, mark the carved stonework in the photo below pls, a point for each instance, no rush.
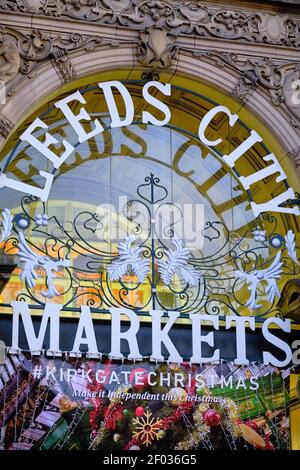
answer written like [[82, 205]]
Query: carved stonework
[[179, 17], [291, 91], [64, 68], [5, 126], [274, 76], [157, 48], [245, 86], [9, 59], [273, 28], [164, 28], [23, 52], [295, 155], [37, 46], [230, 24]]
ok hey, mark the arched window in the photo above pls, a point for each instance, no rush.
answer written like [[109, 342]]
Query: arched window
[[148, 217]]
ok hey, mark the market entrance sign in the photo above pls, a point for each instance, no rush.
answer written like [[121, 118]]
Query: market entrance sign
[[275, 204], [86, 336], [161, 331]]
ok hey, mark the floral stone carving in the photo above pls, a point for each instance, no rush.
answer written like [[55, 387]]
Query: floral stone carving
[[176, 16]]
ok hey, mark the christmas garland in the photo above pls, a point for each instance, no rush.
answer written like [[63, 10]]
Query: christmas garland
[[148, 428], [207, 417]]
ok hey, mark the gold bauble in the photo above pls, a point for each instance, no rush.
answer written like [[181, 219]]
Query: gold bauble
[[161, 434]]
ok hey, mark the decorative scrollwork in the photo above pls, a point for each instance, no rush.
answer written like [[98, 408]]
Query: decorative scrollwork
[[149, 268], [31, 260], [180, 17]]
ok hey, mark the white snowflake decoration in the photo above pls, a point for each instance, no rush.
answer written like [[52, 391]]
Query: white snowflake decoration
[[253, 279], [177, 261], [130, 259], [31, 261]]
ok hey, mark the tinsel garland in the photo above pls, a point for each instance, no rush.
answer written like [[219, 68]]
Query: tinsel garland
[[232, 418], [132, 442], [182, 410], [114, 413], [201, 429]]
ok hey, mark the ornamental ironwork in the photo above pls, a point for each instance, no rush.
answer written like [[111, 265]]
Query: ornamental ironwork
[[231, 274]]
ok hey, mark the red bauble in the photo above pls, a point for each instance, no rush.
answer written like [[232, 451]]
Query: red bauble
[[212, 418], [139, 375], [252, 425], [139, 411]]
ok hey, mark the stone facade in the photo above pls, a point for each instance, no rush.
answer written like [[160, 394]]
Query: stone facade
[[249, 50]]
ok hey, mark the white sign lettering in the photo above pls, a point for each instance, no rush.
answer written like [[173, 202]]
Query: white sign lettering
[[77, 121], [86, 335]]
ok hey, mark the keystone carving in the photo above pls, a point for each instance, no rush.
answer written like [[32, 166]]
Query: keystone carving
[[157, 48]]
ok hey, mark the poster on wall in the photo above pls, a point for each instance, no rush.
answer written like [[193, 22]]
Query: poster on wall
[[63, 404]]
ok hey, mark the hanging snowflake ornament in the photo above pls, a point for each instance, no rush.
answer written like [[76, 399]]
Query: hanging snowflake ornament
[[146, 428]]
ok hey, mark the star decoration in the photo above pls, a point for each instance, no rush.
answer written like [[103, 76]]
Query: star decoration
[[146, 428]]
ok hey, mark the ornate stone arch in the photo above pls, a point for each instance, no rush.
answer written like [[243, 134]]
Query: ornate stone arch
[[49, 80]]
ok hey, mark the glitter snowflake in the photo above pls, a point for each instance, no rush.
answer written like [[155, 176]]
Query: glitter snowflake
[[146, 428]]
